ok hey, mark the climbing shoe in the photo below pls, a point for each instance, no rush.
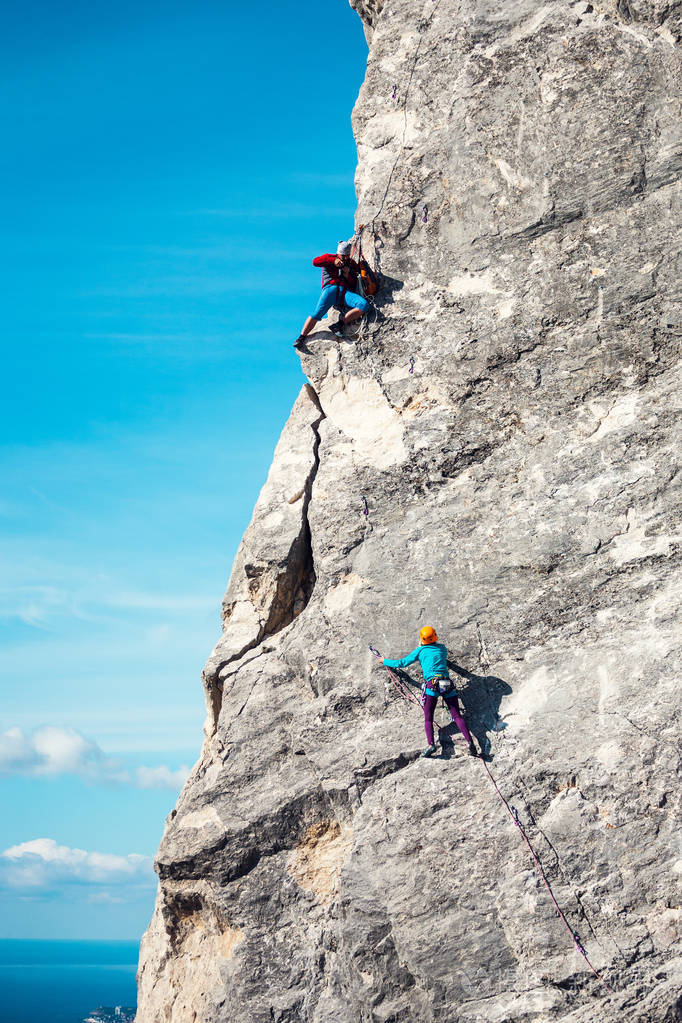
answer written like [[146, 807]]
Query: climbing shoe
[[430, 750], [473, 752], [337, 328], [298, 343]]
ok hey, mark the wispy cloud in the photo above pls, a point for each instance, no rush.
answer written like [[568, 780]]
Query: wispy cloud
[[34, 605], [40, 606], [161, 777], [51, 751], [41, 866]]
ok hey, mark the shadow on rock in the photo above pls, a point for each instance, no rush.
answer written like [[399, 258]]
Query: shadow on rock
[[389, 286], [480, 700], [318, 336]]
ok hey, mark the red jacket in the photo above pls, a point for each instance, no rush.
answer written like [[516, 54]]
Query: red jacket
[[346, 276]]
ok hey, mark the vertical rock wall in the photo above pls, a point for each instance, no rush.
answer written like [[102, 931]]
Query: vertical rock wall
[[510, 414]]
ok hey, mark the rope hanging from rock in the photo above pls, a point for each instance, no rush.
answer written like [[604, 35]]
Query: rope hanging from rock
[[424, 25], [356, 246], [513, 813]]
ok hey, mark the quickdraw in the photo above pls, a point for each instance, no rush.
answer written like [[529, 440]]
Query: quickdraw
[[411, 369], [365, 506], [425, 213]]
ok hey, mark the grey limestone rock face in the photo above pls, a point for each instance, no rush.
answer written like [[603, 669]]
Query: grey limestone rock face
[[510, 415]]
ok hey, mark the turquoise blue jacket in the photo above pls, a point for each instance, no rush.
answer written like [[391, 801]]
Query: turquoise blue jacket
[[433, 658]]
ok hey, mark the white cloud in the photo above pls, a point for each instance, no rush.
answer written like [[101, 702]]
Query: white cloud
[[44, 606], [51, 751], [34, 605], [98, 898], [42, 865], [139, 732], [161, 777]]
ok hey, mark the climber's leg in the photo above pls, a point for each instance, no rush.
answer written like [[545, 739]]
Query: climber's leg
[[429, 710], [308, 326], [358, 307], [324, 304], [352, 316], [452, 703]]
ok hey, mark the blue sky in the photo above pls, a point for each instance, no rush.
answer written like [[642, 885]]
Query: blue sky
[[168, 172]]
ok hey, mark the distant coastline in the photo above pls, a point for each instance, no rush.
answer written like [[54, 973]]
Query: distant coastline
[[64, 981]]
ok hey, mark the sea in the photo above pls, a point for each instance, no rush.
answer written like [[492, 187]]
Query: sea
[[67, 981]]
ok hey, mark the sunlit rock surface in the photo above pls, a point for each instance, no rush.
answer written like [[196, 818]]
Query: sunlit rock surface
[[510, 415]]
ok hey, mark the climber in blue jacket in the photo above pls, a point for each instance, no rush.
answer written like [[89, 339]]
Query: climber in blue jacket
[[433, 658]]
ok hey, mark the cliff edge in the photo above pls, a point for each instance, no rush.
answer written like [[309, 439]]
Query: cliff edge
[[508, 419]]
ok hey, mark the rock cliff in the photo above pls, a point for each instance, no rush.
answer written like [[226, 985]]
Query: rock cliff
[[509, 416]]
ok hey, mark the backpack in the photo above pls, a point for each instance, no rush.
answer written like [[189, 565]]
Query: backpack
[[368, 282]]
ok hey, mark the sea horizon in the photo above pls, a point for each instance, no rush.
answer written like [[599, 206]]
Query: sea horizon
[[64, 980]]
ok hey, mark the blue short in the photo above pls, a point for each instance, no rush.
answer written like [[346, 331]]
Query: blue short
[[329, 296]]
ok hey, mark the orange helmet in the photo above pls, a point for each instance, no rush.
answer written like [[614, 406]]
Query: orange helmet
[[428, 634]]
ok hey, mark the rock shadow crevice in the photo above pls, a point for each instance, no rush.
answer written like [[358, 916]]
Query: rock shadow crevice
[[273, 577]]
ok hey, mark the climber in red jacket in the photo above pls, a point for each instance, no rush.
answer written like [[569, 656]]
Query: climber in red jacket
[[339, 282]]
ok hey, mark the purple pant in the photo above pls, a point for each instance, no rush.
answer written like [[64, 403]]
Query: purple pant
[[452, 703]]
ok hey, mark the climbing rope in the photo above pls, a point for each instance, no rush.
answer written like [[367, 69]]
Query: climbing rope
[[356, 246], [405, 92], [513, 813], [398, 683]]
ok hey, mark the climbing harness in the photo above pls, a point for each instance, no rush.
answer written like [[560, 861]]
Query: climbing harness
[[440, 684], [398, 683], [513, 813]]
